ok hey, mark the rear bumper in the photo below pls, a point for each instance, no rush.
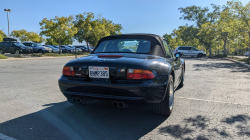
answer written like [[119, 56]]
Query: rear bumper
[[145, 90]]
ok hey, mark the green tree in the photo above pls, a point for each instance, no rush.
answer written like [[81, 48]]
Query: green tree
[[208, 32], [242, 14], [2, 35], [24, 35], [92, 30], [59, 29]]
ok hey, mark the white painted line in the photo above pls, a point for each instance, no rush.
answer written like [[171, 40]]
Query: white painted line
[[210, 101], [4, 137]]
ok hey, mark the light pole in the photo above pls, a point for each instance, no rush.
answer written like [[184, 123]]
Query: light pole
[[8, 10]]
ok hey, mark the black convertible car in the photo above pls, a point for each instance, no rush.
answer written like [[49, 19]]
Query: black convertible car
[[126, 67]]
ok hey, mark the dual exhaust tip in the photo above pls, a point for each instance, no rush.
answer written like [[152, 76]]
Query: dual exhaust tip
[[77, 100], [114, 103], [119, 104]]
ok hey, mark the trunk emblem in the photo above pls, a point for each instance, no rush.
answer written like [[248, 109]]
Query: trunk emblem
[[101, 60]]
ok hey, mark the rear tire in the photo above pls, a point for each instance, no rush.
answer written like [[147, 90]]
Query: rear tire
[[182, 79], [165, 107], [17, 52], [200, 55], [40, 51]]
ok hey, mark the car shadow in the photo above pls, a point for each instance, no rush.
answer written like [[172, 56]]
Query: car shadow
[[99, 120]]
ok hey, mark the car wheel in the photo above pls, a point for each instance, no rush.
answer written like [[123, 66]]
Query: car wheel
[[17, 52], [165, 107], [200, 55], [182, 79], [69, 51], [40, 51], [1, 52]]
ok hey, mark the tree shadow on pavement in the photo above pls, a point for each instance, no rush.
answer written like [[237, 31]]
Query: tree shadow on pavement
[[213, 66], [199, 128], [99, 120]]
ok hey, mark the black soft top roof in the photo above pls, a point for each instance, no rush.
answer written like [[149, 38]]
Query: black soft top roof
[[8, 39], [156, 47]]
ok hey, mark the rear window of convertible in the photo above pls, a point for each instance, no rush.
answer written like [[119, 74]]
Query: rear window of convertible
[[124, 46]]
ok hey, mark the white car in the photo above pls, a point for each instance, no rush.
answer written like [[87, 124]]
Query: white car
[[246, 54], [189, 51], [47, 48]]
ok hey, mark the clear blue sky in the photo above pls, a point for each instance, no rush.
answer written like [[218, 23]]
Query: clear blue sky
[[136, 16]]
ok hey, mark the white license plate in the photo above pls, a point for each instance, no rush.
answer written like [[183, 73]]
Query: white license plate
[[98, 72]]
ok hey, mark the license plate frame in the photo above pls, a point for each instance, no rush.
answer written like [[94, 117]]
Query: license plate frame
[[98, 72]]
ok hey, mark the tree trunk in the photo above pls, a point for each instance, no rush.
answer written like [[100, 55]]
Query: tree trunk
[[59, 45], [225, 42], [210, 51], [249, 45], [87, 46]]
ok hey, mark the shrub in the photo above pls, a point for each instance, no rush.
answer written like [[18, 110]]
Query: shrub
[[3, 56]]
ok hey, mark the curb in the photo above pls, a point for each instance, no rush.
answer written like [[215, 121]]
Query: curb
[[41, 58], [243, 64]]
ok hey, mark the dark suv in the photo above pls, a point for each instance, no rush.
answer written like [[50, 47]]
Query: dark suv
[[10, 45]]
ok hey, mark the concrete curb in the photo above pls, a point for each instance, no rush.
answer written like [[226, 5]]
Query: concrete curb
[[41, 58], [235, 61]]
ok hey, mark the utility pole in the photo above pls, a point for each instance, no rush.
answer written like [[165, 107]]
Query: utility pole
[[8, 10]]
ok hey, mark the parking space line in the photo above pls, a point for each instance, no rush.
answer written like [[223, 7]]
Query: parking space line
[[4, 137], [211, 101]]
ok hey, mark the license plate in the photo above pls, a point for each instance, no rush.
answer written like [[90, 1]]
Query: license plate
[[98, 72]]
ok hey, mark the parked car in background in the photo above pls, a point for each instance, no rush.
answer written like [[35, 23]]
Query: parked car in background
[[189, 51], [246, 54], [10, 45], [62, 49], [75, 48], [54, 49], [82, 47], [65, 49], [37, 47], [143, 70]]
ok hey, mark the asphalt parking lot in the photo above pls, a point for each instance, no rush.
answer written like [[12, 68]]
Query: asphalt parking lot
[[213, 104]]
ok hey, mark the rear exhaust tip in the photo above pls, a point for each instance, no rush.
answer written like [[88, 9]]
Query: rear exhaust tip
[[114, 103], [122, 105], [78, 100], [74, 99]]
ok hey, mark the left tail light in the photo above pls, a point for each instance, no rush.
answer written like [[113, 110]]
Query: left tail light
[[139, 74], [68, 71]]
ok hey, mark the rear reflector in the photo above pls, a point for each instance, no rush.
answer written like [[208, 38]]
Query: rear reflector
[[68, 71], [139, 74], [112, 56]]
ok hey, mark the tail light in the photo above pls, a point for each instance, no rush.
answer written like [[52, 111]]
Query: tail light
[[139, 74], [176, 50], [68, 71]]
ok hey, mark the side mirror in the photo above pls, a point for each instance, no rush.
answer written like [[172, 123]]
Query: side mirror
[[177, 55]]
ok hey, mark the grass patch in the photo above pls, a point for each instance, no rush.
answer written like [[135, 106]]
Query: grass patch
[[17, 56], [36, 55], [246, 60], [3, 56], [63, 54], [218, 56]]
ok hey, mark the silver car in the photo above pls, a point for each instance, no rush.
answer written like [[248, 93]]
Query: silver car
[[246, 54], [189, 51]]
